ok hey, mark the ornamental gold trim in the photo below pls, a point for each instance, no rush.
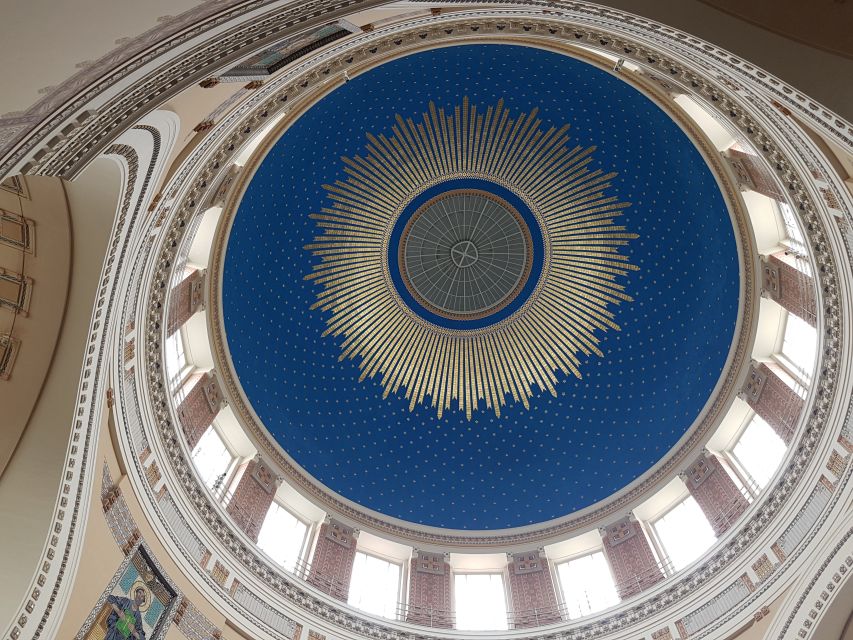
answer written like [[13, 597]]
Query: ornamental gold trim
[[563, 317]]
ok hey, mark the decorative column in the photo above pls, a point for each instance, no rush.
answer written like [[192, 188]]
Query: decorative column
[[752, 175], [794, 290], [716, 493], [334, 555], [531, 588], [429, 590], [630, 555], [200, 406], [771, 394], [187, 298], [253, 496]]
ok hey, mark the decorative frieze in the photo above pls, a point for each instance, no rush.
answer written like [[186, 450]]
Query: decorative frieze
[[714, 490], [429, 602], [253, 496], [531, 590], [752, 174], [199, 407], [187, 299], [334, 555], [792, 288], [631, 558], [771, 394]]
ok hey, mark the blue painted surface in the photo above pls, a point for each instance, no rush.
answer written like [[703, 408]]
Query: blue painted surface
[[527, 466]]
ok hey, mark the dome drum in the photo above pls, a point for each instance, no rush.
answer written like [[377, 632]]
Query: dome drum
[[703, 579]]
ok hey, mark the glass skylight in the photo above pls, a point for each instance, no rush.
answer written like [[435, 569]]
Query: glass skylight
[[282, 536], [480, 601], [684, 533], [800, 345], [759, 451], [587, 584], [375, 585], [211, 458]]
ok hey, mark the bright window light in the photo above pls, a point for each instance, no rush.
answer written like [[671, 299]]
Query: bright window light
[[176, 359], [684, 533], [795, 237], [480, 601], [212, 459], [375, 585], [759, 451], [282, 536], [800, 345], [587, 584]]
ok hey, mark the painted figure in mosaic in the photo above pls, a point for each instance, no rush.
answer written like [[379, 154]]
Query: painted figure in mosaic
[[125, 619]]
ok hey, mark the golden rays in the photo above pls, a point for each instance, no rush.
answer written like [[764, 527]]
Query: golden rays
[[551, 331]]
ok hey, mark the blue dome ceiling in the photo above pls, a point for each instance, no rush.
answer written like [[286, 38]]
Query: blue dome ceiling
[[494, 465]]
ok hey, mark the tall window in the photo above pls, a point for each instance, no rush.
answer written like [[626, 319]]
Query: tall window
[[792, 229], [282, 536], [176, 358], [684, 533], [800, 345], [375, 585], [587, 584], [759, 451], [212, 459], [480, 601]]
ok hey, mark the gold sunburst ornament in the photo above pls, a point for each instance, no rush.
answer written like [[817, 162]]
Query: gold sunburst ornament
[[470, 257]]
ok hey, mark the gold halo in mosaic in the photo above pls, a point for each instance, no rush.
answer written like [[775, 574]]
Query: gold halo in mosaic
[[555, 326]]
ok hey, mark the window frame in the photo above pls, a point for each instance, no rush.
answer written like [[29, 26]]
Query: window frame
[[399, 604], [664, 555], [800, 376], [177, 380], [561, 593], [306, 539], [504, 576], [744, 475], [224, 488]]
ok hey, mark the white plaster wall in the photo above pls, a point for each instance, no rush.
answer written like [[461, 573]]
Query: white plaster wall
[[44, 41]]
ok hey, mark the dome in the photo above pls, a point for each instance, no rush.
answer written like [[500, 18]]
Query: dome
[[335, 321]]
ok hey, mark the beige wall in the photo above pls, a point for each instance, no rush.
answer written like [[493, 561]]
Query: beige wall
[[30, 483], [101, 555], [44, 42], [49, 268]]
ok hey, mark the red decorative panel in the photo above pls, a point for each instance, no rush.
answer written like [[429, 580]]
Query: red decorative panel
[[631, 559], [753, 174], [187, 298], [334, 555], [253, 496], [429, 591], [774, 399], [716, 493], [200, 406], [790, 287], [531, 588]]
